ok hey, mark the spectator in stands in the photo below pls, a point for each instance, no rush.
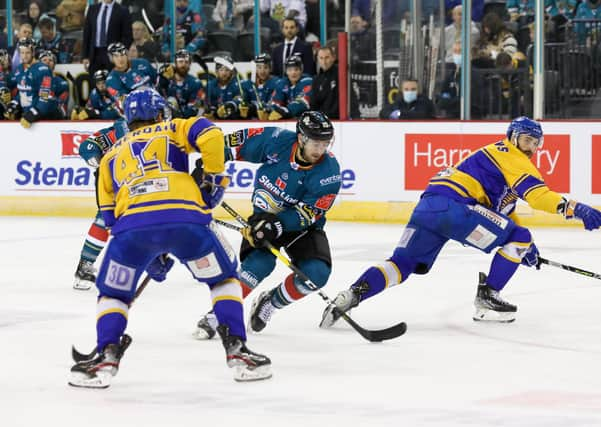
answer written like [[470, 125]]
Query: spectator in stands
[[409, 104], [34, 12], [448, 100], [71, 14], [588, 9], [292, 45], [477, 9], [232, 14], [452, 33], [363, 41], [101, 104], [184, 92], [142, 40], [275, 11], [292, 93], [495, 38], [106, 23], [257, 94], [25, 32], [224, 94], [190, 23]]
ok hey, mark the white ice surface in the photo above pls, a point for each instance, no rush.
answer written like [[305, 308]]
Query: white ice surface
[[542, 370]]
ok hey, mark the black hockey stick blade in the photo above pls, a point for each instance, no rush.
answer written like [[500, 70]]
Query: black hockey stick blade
[[379, 335], [79, 357], [569, 268]]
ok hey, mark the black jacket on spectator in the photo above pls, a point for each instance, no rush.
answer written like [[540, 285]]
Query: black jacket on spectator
[[421, 108], [300, 48], [119, 30], [324, 96]]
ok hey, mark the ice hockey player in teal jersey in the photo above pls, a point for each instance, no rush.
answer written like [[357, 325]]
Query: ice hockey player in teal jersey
[[473, 203], [296, 184], [153, 207], [92, 150]]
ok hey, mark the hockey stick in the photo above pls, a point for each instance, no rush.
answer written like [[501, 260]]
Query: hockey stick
[[125, 339], [370, 335], [569, 268], [76, 97]]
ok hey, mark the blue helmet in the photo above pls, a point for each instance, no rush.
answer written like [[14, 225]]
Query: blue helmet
[[524, 125], [144, 105]]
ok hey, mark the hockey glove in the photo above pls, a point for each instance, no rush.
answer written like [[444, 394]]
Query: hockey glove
[[159, 267], [221, 111], [167, 71], [213, 188], [5, 97], [244, 110], [590, 216], [262, 228], [29, 117], [262, 114], [13, 111], [531, 257], [74, 114], [83, 114]]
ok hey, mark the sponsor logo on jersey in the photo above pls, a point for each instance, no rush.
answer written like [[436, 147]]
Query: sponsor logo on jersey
[[324, 202], [254, 132], [330, 180], [149, 186], [280, 183]]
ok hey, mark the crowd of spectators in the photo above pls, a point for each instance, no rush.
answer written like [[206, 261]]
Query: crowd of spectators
[[123, 44]]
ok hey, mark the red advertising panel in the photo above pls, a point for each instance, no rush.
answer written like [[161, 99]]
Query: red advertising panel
[[596, 166], [70, 141], [427, 154]]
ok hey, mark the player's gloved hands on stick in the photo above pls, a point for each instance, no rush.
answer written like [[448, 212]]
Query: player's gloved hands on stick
[[262, 228], [590, 216], [159, 267], [531, 257], [213, 188]]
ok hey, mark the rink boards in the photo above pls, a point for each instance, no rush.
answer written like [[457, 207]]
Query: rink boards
[[384, 166]]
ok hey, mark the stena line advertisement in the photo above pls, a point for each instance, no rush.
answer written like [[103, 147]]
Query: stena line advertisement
[[380, 161]]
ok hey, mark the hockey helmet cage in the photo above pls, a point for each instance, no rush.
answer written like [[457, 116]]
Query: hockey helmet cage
[[117, 49], [315, 125], [527, 126], [263, 58], [294, 61], [47, 54], [183, 54], [224, 61], [26, 42], [100, 76]]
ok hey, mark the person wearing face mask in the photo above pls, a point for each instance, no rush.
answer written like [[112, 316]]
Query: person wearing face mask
[[409, 105]]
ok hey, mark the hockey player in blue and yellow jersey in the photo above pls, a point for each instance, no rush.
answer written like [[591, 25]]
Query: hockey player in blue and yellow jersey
[[295, 186], [128, 74], [474, 204], [92, 150], [154, 207]]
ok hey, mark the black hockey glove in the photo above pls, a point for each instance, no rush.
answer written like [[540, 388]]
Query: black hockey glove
[[262, 228], [159, 267]]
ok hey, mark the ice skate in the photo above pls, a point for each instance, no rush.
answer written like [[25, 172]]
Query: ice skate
[[248, 365], [261, 311], [206, 327], [85, 276], [98, 372], [490, 307], [344, 301]]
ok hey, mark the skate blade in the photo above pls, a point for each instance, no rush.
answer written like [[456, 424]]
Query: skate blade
[[82, 380], [328, 319], [485, 315], [244, 374]]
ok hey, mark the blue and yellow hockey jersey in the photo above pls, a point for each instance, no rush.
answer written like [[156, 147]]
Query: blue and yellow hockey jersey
[[496, 176], [144, 177]]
